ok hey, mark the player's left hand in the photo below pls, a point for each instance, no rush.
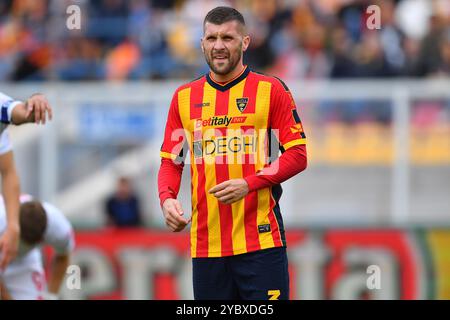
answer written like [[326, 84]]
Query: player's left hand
[[230, 191], [39, 105]]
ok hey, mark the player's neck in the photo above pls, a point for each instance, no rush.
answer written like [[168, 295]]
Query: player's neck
[[229, 76]]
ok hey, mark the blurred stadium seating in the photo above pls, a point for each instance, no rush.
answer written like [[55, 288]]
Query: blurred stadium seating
[[148, 39], [375, 106]]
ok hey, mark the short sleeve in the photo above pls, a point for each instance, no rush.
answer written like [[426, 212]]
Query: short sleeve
[[7, 104], [174, 136], [284, 117], [59, 232], [5, 142]]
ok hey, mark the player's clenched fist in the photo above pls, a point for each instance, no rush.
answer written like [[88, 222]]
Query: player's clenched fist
[[173, 213]]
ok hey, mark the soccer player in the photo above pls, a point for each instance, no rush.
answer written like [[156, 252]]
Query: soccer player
[[229, 118], [41, 224], [35, 109]]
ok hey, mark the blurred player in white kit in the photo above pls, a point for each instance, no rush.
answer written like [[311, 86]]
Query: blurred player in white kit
[[41, 224], [34, 109]]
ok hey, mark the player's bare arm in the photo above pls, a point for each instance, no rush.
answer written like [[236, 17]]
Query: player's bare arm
[[9, 240], [230, 191], [173, 214], [59, 266], [35, 109]]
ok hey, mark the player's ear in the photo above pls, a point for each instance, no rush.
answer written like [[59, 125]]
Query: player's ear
[[201, 45], [245, 43]]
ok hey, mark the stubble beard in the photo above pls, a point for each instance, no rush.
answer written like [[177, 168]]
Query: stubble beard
[[230, 64]]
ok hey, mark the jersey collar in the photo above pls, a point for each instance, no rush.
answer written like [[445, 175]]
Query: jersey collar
[[229, 84]]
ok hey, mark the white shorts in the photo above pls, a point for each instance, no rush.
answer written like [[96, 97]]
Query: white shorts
[[24, 277]]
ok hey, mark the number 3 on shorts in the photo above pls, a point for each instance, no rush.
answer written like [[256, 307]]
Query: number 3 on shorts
[[273, 294]]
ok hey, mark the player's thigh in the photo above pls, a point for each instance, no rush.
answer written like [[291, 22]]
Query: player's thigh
[[212, 279], [25, 282], [262, 275]]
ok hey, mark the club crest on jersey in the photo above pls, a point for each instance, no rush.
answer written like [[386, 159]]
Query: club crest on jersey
[[241, 103]]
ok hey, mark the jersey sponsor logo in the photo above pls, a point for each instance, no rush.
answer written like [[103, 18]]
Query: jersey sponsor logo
[[241, 103], [264, 228], [217, 146], [198, 149], [219, 121]]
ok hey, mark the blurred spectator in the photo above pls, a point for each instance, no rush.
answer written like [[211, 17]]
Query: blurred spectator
[[261, 26], [443, 64], [343, 65], [122, 60], [147, 39], [122, 208], [430, 47], [80, 59], [369, 58]]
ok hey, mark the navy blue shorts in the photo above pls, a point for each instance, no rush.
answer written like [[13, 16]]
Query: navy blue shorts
[[259, 275]]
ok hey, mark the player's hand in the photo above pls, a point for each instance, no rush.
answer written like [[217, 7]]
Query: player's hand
[[230, 191], [173, 213], [38, 104], [9, 244]]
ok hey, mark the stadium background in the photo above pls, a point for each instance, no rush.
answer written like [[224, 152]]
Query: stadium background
[[375, 105]]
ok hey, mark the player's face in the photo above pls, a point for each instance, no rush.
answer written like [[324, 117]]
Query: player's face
[[223, 46]]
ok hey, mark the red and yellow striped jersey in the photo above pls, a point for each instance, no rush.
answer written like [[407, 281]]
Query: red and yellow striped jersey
[[227, 128]]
